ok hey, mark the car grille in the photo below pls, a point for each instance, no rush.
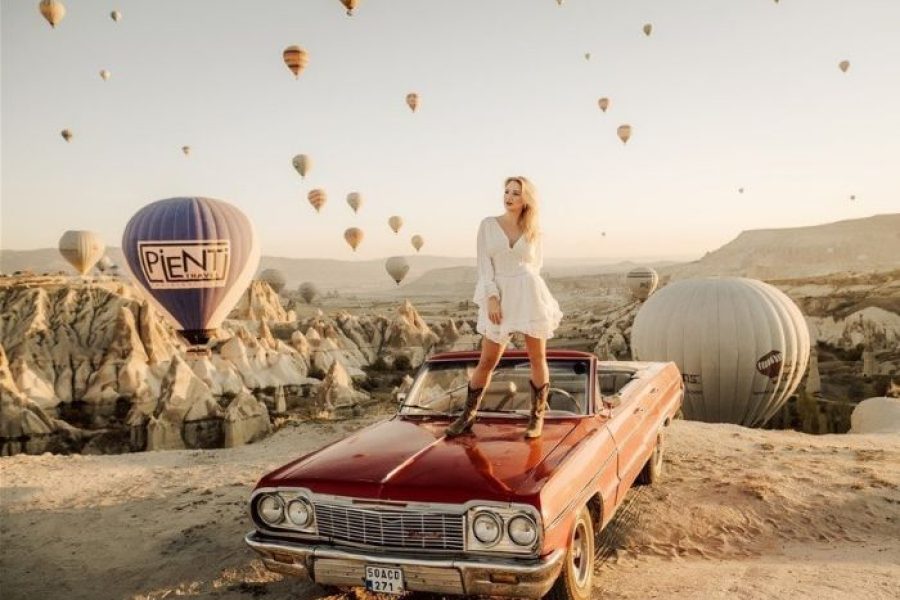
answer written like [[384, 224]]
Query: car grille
[[390, 528]]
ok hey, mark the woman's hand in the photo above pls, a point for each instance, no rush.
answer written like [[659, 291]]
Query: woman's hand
[[494, 313]]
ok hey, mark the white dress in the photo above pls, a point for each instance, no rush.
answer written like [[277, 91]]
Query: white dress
[[513, 274]]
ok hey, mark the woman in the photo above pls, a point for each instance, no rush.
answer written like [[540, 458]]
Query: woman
[[511, 297]]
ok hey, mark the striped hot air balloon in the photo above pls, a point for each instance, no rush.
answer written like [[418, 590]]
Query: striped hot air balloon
[[296, 59], [194, 257], [642, 282], [742, 346]]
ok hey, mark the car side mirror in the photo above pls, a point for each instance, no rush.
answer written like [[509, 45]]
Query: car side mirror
[[401, 397], [612, 401]]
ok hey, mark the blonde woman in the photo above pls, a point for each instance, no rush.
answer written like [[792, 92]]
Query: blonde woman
[[512, 297]]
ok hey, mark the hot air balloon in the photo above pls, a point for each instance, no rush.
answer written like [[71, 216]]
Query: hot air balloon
[[587, 56], [66, 134], [296, 59], [308, 291], [274, 278], [397, 268], [104, 74], [412, 101], [853, 196], [350, 5], [302, 163], [642, 281], [115, 16], [194, 257], [844, 65], [395, 223], [186, 150], [559, 2], [317, 198], [624, 133], [740, 190], [354, 236], [648, 28], [417, 241], [52, 10], [354, 199], [82, 249], [742, 346], [603, 103], [105, 263]]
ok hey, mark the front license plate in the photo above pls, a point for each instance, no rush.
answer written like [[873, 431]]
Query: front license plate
[[385, 580]]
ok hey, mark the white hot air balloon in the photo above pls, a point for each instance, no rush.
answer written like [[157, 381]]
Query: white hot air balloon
[[742, 346], [642, 281], [395, 223], [104, 74], [115, 16], [397, 267], [354, 199], [417, 241], [82, 249], [274, 278]]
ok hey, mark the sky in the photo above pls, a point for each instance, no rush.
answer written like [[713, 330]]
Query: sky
[[723, 95]]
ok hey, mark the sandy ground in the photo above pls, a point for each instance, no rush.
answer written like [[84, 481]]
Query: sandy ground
[[742, 514]]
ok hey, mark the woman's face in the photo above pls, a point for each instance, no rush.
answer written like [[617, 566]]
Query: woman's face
[[512, 197]]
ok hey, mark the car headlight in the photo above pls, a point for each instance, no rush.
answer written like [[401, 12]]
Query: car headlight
[[522, 531], [299, 512], [487, 528], [271, 509]]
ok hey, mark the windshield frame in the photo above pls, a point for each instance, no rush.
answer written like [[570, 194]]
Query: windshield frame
[[504, 362]]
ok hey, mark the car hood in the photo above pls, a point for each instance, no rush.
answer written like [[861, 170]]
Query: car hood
[[411, 460]]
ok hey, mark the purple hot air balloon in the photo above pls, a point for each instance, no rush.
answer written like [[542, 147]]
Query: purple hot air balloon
[[195, 257]]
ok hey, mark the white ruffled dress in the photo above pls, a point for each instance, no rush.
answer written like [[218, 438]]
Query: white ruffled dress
[[513, 274]]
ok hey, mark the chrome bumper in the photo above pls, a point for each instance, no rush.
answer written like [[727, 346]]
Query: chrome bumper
[[329, 566]]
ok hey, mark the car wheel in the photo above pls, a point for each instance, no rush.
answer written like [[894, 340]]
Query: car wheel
[[576, 579], [652, 471]]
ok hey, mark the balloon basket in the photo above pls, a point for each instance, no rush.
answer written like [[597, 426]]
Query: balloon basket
[[198, 352]]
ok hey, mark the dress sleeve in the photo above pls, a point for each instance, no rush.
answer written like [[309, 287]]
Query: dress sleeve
[[486, 286]]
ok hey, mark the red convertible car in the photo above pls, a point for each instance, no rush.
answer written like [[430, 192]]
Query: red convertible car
[[397, 506]]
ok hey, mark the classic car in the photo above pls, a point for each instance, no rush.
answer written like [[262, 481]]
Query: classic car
[[398, 506]]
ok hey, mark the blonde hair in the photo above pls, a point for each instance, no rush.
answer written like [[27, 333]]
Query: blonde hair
[[528, 218]]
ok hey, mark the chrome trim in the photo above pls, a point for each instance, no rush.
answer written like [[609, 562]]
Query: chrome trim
[[457, 576], [375, 503]]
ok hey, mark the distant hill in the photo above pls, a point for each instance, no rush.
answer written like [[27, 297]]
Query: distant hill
[[868, 245], [438, 274]]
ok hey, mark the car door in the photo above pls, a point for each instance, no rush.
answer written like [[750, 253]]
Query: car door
[[626, 425]]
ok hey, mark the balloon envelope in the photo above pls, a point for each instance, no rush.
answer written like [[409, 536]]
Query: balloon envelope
[[354, 199], [194, 257], [648, 29], [418, 241], [186, 150], [52, 10], [296, 59], [397, 267], [317, 198], [603, 103], [412, 101], [742, 346], [66, 134], [353, 236], [350, 5], [274, 278], [302, 163], [308, 291], [844, 65], [82, 249], [115, 16], [105, 74], [624, 133], [642, 282], [395, 223]]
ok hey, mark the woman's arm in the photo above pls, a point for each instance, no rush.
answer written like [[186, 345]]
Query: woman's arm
[[486, 286]]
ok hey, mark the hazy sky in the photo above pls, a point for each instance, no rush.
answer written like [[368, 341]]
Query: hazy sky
[[724, 94]]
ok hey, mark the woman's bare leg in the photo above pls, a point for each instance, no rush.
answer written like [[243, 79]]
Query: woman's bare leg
[[491, 352], [537, 355]]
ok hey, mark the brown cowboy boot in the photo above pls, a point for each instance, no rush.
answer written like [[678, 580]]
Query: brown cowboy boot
[[464, 422], [538, 408]]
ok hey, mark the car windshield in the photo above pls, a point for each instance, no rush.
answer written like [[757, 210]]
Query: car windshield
[[441, 388]]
